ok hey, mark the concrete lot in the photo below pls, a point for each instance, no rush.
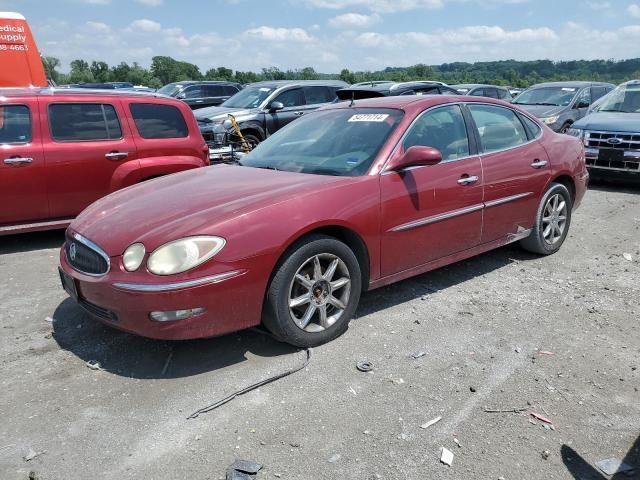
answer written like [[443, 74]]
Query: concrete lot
[[484, 324]]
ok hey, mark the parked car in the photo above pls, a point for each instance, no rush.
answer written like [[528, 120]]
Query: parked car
[[201, 94], [346, 199], [515, 91], [390, 89], [263, 108], [61, 150], [611, 133], [481, 90], [560, 104]]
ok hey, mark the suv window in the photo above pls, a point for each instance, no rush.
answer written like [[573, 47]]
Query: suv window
[[15, 124], [230, 90], [499, 127], [192, 91], [213, 91], [315, 95], [291, 98], [443, 128], [503, 94], [158, 121], [583, 100], [597, 92], [77, 122], [426, 91]]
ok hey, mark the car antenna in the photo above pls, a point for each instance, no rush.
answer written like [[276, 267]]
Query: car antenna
[[353, 94]]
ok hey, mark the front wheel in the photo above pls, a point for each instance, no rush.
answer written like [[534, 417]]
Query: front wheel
[[314, 293], [552, 221]]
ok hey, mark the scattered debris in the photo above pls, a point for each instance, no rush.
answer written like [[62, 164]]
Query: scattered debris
[[417, 355], [33, 475], [243, 470], [627, 257], [353, 391], [457, 442], [334, 458], [546, 454], [364, 366], [166, 364], [398, 381], [446, 456], [49, 319], [517, 349], [430, 423], [507, 410], [472, 389], [611, 466], [540, 417], [94, 365], [545, 352], [250, 388], [548, 427], [30, 454]]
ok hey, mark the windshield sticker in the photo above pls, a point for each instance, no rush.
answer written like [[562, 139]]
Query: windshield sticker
[[369, 117], [568, 89]]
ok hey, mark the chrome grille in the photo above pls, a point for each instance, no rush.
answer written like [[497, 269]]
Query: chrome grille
[[615, 140], [85, 256]]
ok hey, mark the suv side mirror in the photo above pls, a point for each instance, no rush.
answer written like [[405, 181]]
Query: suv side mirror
[[275, 106], [181, 96], [414, 157], [582, 105]]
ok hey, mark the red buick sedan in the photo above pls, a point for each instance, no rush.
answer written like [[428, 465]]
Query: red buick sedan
[[350, 198]]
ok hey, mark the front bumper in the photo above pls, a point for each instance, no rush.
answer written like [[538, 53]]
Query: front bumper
[[231, 297]]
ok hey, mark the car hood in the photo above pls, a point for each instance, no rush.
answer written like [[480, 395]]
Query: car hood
[[190, 203], [542, 111], [610, 121], [220, 112]]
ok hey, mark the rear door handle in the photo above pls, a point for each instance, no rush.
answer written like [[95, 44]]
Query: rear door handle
[[468, 180], [539, 163], [18, 160], [116, 155]]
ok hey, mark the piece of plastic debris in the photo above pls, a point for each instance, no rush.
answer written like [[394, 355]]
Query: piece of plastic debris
[[505, 410], [364, 366], [545, 352], [628, 257], [446, 456], [430, 423], [243, 470], [540, 417], [611, 466], [30, 454], [457, 442], [546, 454], [334, 458], [94, 365], [417, 355], [50, 319]]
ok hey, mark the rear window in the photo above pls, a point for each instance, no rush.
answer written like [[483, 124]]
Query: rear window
[[532, 127], [81, 122], [15, 124], [158, 121], [213, 90], [316, 95]]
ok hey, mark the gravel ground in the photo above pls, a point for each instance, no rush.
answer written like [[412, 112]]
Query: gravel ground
[[557, 336]]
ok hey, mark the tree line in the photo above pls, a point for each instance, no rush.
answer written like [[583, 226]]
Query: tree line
[[515, 73]]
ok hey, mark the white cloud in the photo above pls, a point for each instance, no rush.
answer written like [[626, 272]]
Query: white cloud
[[634, 10], [354, 20], [377, 5], [98, 27], [279, 34], [150, 3], [599, 5], [145, 25]]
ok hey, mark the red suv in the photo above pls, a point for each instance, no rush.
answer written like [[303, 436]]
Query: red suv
[[60, 150]]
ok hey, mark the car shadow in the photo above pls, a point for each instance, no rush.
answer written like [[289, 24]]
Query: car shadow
[[132, 356], [615, 183], [580, 469], [28, 242]]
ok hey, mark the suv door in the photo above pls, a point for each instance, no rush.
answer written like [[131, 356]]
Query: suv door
[[87, 146], [23, 191], [294, 107], [193, 96], [516, 170], [430, 212]]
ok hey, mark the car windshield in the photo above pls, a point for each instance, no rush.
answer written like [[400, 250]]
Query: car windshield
[[170, 89], [340, 142], [250, 97], [625, 98], [559, 96]]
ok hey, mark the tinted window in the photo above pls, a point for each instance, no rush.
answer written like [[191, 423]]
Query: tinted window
[[597, 92], [194, 91], [158, 121], [83, 121], [444, 129], [315, 95], [229, 90], [478, 92], [532, 127], [15, 124], [213, 91], [504, 94], [427, 91], [499, 128], [291, 98], [584, 99]]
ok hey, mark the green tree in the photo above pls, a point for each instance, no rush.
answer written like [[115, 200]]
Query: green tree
[[50, 65]]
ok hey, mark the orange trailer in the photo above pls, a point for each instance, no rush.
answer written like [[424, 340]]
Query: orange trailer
[[20, 62]]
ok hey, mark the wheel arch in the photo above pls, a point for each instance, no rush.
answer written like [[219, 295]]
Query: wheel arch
[[568, 181]]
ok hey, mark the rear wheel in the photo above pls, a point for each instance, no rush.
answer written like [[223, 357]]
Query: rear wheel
[[552, 221], [251, 139], [564, 128], [314, 292]]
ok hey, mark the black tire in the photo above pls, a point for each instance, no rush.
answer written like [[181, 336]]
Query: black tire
[[564, 128], [251, 139], [279, 317], [537, 242]]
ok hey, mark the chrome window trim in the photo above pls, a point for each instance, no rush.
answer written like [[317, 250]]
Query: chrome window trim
[[89, 244], [167, 287]]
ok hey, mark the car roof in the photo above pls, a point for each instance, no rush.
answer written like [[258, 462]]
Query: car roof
[[285, 83], [191, 82], [474, 85], [62, 92], [389, 86], [573, 84], [413, 102]]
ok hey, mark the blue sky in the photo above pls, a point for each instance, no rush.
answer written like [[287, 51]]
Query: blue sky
[[331, 34]]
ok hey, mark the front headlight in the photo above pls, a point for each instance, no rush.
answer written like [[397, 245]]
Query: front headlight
[[576, 132], [182, 255], [549, 120], [133, 256]]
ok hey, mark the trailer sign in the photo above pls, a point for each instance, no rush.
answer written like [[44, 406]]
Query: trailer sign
[[20, 63]]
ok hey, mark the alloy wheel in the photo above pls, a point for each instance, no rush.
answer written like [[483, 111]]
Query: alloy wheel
[[554, 219]]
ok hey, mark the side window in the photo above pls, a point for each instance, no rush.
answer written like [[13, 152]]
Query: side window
[[229, 90], [315, 95], [532, 127], [158, 121], [213, 91], [427, 91], [444, 129], [583, 99], [478, 92], [504, 94], [291, 98], [597, 92], [77, 122], [15, 124], [499, 128], [194, 91]]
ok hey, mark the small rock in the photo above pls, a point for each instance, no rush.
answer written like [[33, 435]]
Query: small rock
[[473, 389], [417, 355], [517, 349], [334, 458], [546, 454], [627, 257]]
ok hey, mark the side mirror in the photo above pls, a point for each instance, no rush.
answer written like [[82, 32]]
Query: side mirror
[[582, 105], [275, 106], [181, 96], [414, 157]]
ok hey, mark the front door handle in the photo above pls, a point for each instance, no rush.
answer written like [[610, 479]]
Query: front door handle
[[116, 155], [539, 163], [18, 160], [468, 180]]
